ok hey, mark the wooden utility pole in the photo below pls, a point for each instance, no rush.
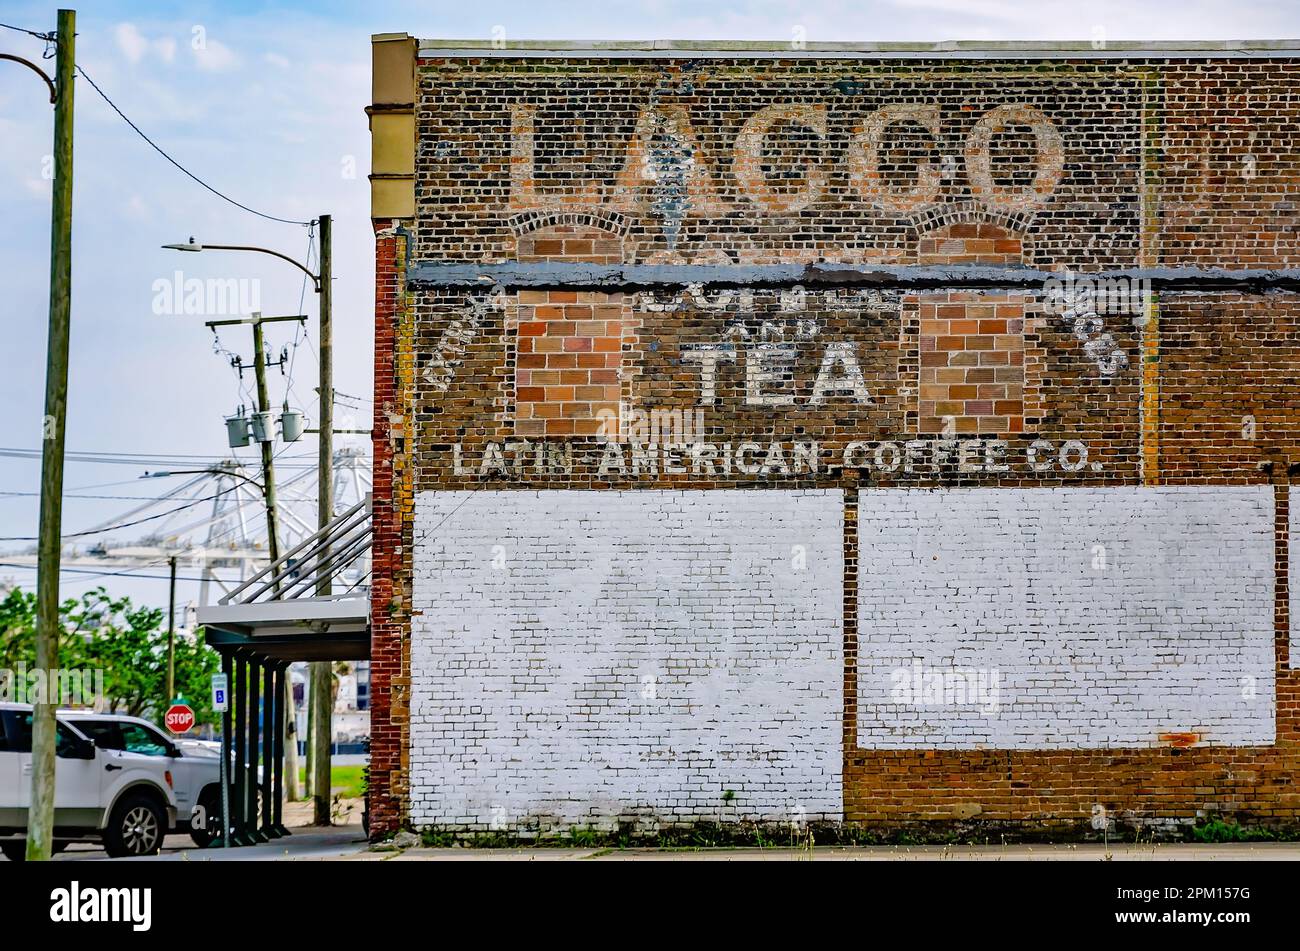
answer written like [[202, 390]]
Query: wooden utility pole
[[171, 631], [268, 464], [290, 737], [40, 817], [322, 672]]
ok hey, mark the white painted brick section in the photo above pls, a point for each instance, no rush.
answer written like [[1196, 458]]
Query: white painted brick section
[[1109, 616], [1293, 577], [584, 656]]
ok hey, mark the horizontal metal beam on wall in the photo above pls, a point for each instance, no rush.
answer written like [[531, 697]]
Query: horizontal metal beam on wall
[[550, 275]]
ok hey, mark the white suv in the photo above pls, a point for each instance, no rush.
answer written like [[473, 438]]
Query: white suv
[[195, 769], [122, 798]]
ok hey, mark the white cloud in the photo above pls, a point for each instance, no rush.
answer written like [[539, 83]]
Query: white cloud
[[135, 46], [276, 60], [131, 42], [214, 56]]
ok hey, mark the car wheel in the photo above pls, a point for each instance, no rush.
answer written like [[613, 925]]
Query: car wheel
[[211, 830], [136, 827]]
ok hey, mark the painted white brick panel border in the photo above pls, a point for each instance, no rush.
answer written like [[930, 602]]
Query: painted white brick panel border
[[583, 656], [1108, 616]]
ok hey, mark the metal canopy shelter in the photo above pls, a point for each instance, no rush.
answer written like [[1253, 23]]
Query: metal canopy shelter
[[272, 620]]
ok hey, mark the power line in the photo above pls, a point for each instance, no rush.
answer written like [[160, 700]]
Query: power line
[[118, 453], [103, 574], [468, 495], [71, 495], [118, 461], [158, 149], [235, 364], [349, 396], [105, 485], [113, 528], [235, 525], [298, 327], [140, 459], [97, 455], [47, 37]]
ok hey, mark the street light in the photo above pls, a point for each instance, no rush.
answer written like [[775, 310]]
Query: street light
[[193, 245], [216, 470], [54, 96]]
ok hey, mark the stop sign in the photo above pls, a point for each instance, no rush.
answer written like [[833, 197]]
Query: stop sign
[[179, 718]]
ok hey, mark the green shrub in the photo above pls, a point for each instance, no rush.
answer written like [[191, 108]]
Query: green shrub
[[1215, 829]]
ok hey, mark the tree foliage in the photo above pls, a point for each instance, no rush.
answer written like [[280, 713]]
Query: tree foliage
[[126, 641]]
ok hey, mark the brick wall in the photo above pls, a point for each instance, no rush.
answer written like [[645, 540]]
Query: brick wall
[[1050, 619], [940, 417], [666, 647], [569, 351], [389, 654]]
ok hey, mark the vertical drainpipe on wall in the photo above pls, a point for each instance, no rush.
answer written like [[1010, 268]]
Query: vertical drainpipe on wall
[[392, 211], [1149, 256]]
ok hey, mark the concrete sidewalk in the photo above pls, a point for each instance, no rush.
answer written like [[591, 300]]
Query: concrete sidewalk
[[306, 842], [304, 845], [348, 843]]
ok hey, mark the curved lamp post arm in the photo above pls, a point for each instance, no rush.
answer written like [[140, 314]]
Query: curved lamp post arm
[[37, 70], [315, 279]]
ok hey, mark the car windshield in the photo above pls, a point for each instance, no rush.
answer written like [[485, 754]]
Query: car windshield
[[138, 738], [103, 732], [127, 737]]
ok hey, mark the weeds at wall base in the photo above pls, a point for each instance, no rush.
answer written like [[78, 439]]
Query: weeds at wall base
[[783, 836]]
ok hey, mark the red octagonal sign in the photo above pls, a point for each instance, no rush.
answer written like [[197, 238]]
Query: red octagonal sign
[[179, 718]]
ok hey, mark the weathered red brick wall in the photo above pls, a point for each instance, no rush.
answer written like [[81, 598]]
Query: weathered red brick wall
[[389, 671], [1060, 165]]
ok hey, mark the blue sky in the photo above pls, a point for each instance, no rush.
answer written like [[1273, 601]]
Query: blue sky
[[265, 100]]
